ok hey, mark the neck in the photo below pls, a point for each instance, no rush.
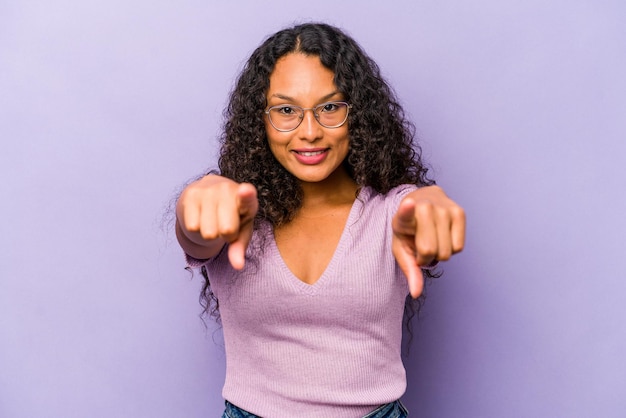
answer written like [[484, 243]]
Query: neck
[[338, 189]]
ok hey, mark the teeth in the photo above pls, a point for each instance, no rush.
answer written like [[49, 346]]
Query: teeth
[[310, 153]]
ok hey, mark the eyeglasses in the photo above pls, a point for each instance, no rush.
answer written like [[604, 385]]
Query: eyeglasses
[[286, 117]]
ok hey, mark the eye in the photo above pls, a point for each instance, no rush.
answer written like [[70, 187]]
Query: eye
[[330, 107], [286, 110]]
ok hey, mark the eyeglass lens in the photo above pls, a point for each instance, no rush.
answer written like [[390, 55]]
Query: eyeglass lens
[[289, 117]]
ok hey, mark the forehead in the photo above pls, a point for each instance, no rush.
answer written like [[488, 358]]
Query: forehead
[[301, 76]]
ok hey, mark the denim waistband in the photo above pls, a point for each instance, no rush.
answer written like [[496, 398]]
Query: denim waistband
[[390, 410], [393, 409]]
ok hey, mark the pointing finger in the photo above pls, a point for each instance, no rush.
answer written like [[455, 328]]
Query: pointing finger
[[237, 248], [407, 263], [247, 204]]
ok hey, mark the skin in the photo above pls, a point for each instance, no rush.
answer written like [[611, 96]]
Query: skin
[[303, 81], [212, 211]]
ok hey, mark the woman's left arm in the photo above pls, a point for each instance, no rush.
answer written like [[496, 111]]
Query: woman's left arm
[[427, 227]]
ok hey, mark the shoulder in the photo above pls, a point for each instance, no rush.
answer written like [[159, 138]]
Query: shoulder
[[372, 207], [390, 200]]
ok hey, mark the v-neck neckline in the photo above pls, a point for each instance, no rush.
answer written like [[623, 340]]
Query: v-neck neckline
[[336, 258]]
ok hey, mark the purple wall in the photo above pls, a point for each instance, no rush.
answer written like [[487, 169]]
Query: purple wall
[[107, 107]]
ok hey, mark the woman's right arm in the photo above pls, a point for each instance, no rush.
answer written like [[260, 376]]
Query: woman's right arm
[[213, 211]]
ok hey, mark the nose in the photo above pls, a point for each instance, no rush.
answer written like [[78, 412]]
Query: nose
[[310, 129]]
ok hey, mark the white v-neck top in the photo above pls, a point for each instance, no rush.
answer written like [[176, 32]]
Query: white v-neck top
[[330, 349]]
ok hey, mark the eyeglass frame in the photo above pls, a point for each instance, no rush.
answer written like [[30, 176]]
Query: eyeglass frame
[[315, 115]]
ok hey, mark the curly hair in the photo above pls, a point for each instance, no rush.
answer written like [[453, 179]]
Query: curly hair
[[382, 155], [382, 151]]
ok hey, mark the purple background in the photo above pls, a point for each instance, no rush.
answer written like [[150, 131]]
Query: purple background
[[107, 107]]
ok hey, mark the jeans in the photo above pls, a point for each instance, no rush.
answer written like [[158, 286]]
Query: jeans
[[390, 410]]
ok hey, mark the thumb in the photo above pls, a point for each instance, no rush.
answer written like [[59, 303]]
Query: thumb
[[404, 220], [247, 202]]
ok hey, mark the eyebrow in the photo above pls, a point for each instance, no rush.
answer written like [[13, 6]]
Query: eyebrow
[[291, 99]]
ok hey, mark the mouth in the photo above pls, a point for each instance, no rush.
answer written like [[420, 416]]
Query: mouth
[[311, 156], [310, 153]]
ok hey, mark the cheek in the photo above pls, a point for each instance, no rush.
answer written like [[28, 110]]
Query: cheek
[[344, 139], [275, 140], [276, 144]]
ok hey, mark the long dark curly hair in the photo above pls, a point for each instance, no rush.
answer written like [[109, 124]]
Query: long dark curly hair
[[383, 153]]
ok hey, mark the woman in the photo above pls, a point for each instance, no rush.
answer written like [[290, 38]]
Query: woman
[[314, 231]]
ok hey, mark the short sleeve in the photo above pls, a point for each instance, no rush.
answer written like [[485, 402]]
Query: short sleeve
[[197, 263]]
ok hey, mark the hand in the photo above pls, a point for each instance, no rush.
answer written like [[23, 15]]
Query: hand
[[427, 227], [213, 211]]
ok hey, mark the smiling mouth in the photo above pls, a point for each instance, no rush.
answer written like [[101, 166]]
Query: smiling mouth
[[310, 153]]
